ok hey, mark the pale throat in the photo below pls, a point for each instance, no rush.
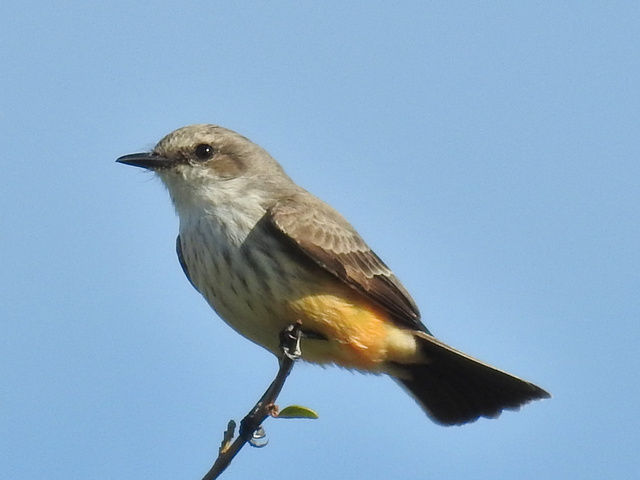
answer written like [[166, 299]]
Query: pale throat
[[223, 208]]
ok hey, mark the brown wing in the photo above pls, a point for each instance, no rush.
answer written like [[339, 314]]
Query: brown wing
[[323, 235], [183, 264]]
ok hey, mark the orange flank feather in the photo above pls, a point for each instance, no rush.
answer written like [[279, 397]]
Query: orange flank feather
[[360, 334]]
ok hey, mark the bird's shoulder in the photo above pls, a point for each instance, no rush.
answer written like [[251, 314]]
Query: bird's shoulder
[[183, 263]]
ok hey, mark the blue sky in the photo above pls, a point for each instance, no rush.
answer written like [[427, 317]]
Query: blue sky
[[487, 151]]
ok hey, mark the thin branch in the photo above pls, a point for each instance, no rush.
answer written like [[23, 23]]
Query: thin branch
[[290, 344]]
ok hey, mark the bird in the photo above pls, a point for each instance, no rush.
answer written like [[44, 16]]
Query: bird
[[265, 253]]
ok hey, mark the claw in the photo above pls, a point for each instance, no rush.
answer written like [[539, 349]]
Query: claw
[[292, 335]]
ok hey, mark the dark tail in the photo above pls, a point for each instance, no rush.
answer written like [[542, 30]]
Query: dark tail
[[454, 388]]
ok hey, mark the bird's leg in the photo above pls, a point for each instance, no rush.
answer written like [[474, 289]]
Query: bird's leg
[[290, 341], [290, 345]]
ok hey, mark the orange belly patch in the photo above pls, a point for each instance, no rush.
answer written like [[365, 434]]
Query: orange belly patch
[[357, 332]]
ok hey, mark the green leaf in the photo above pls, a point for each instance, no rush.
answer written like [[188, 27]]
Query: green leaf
[[297, 411]]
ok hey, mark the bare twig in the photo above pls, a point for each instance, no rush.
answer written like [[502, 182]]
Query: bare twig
[[290, 344]]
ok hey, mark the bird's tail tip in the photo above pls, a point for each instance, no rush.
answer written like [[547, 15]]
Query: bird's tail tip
[[454, 388]]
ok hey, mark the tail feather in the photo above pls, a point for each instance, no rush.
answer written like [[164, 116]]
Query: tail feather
[[454, 388]]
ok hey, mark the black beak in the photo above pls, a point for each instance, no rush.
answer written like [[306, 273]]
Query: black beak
[[148, 160]]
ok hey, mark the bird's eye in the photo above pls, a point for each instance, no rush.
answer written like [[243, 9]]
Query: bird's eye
[[204, 151]]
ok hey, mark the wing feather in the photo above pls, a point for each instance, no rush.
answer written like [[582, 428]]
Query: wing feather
[[325, 237], [183, 264]]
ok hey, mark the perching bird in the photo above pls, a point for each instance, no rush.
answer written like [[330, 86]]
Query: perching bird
[[265, 253]]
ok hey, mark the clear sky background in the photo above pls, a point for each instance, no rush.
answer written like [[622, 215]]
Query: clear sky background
[[488, 151]]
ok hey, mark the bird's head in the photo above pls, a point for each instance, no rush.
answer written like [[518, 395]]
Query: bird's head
[[211, 164]]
